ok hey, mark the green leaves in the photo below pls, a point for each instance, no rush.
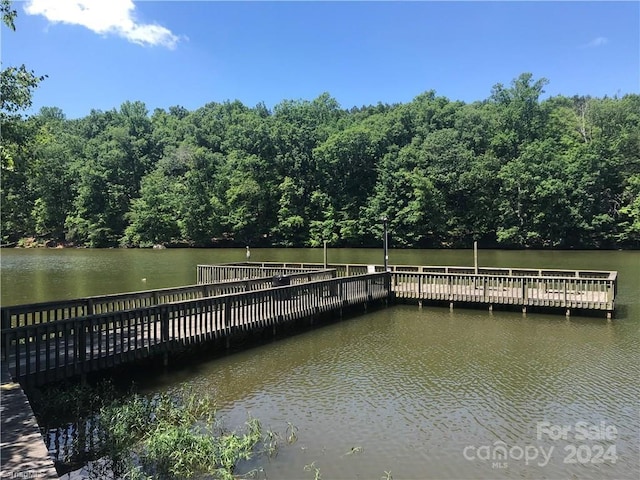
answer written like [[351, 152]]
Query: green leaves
[[513, 170], [172, 437]]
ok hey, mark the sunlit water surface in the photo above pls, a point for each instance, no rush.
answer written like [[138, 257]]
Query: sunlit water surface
[[419, 393]]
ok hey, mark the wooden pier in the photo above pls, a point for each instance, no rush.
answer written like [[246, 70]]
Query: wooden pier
[[36, 313], [39, 352], [559, 290], [51, 341], [23, 452]]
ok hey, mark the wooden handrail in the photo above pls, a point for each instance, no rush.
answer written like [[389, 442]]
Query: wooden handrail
[[43, 312], [342, 268], [546, 291], [230, 272], [49, 351]]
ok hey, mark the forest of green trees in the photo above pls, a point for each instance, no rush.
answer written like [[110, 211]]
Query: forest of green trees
[[511, 171]]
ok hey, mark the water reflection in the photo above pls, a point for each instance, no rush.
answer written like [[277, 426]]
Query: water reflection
[[414, 387]]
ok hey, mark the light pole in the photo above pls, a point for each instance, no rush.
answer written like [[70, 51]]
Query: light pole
[[385, 243], [325, 254]]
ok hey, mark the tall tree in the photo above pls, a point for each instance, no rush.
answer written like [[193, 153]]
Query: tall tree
[[16, 90], [56, 146]]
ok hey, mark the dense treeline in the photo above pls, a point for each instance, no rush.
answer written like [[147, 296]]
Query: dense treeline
[[512, 170]]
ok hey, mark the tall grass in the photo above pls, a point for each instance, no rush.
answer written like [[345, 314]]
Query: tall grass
[[157, 437], [173, 437]]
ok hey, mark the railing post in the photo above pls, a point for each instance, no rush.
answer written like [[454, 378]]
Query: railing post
[[367, 290], [6, 318], [484, 289], [17, 352], [81, 336], [227, 315], [164, 323], [7, 345], [610, 290]]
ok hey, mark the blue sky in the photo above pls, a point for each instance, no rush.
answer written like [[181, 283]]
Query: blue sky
[[190, 53]]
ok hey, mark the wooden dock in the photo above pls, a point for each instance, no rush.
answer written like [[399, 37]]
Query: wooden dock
[[23, 453], [42, 352], [55, 340], [560, 290]]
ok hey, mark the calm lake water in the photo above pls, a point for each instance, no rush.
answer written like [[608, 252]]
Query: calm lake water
[[419, 393]]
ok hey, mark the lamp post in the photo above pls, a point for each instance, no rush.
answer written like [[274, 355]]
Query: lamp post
[[385, 243], [325, 254]]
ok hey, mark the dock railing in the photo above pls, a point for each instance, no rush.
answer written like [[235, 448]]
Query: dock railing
[[362, 268], [45, 312], [77, 336], [570, 292], [49, 351], [555, 288], [240, 271]]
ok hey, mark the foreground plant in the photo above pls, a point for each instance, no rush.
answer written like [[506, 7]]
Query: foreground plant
[[171, 437]]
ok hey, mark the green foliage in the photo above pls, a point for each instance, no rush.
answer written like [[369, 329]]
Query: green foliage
[[153, 217], [630, 212], [171, 437], [513, 170], [16, 90], [127, 435], [8, 14], [290, 229]]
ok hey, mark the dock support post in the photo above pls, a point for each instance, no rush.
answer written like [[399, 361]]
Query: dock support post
[[568, 312], [491, 307], [420, 303], [524, 310], [451, 306], [609, 316]]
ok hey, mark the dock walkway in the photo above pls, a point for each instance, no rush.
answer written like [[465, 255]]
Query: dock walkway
[[56, 340], [44, 352], [23, 453]]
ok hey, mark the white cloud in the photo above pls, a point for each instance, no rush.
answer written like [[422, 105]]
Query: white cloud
[[103, 17], [597, 42]]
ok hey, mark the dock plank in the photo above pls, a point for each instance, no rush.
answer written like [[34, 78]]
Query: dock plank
[[23, 453]]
